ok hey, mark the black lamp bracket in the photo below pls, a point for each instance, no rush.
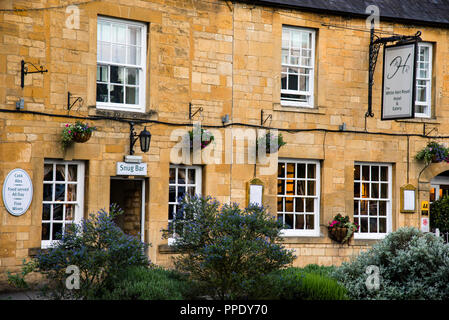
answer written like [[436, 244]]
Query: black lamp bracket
[[133, 137], [200, 109], [374, 48], [24, 71], [262, 120], [70, 105]]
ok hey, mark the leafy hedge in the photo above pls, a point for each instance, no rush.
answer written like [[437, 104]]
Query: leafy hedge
[[412, 265]]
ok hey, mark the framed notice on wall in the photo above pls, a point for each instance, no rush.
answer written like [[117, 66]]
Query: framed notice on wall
[[408, 199], [399, 78]]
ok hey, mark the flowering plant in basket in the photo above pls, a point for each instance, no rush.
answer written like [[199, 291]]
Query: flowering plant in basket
[[206, 137], [341, 228], [78, 132], [433, 152], [271, 139]]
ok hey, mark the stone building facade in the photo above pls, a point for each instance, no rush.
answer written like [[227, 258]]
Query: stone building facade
[[147, 61]]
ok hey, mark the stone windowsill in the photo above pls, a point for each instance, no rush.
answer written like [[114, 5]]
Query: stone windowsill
[[94, 111], [166, 249], [314, 110], [420, 120]]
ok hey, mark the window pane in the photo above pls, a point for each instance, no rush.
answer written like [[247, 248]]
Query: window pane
[[293, 82], [373, 225], [71, 192], [310, 204], [364, 225], [384, 173], [365, 173], [102, 73], [311, 168], [48, 192], [363, 208], [365, 190], [118, 53], [116, 94], [104, 51], [134, 55], [384, 191], [382, 225], [102, 92], [281, 170], [134, 36], [57, 231], [60, 172], [374, 173], [69, 212], [72, 173], [289, 205], [290, 187], [48, 172], [117, 74], [356, 208], [356, 190], [45, 231], [290, 170], [373, 208], [105, 31], [301, 170], [356, 172], [299, 205], [132, 95], [172, 194], [191, 176], [280, 205], [132, 76], [172, 175], [310, 221], [311, 188], [301, 188], [46, 208], [181, 176], [119, 33], [299, 223], [288, 221], [284, 81], [181, 192], [374, 190], [57, 212], [59, 192], [382, 208]]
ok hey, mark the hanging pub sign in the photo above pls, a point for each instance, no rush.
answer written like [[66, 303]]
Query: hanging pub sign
[[399, 78]]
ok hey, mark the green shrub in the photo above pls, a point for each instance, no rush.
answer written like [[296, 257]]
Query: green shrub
[[439, 214], [412, 265], [141, 283], [227, 250], [300, 284], [97, 247]]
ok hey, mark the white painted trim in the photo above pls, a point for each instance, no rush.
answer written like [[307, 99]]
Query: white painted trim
[[142, 68]]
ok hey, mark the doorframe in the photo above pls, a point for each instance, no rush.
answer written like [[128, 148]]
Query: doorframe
[[142, 206]]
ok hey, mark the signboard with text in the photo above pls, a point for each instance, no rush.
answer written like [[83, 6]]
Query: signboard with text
[[17, 192], [131, 169], [399, 78]]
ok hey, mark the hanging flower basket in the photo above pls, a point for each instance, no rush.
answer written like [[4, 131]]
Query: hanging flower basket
[[82, 137], [78, 132], [433, 153], [206, 137], [270, 139], [341, 229]]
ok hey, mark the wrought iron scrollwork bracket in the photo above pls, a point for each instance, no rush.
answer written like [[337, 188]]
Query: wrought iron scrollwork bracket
[[24, 71]]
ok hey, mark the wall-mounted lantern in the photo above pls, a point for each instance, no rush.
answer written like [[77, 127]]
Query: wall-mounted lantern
[[144, 136]]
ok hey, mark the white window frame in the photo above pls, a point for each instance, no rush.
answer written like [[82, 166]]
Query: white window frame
[[78, 204], [388, 200], [315, 232], [428, 79], [310, 92], [197, 185], [142, 68]]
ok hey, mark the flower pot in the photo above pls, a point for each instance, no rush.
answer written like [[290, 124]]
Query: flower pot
[[339, 234], [81, 137]]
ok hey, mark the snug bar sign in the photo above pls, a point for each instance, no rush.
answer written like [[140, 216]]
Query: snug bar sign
[[398, 96], [131, 169]]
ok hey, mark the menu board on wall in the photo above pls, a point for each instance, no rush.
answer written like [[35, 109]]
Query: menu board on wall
[[17, 192]]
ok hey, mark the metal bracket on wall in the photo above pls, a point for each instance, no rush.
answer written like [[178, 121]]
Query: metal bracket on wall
[[262, 120], [427, 133], [374, 48], [24, 71], [70, 105], [200, 109]]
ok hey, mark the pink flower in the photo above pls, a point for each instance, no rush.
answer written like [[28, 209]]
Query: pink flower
[[66, 125], [70, 131]]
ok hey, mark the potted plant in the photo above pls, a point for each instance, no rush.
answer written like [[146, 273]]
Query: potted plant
[[341, 229], [206, 137], [433, 152], [79, 132], [270, 139]]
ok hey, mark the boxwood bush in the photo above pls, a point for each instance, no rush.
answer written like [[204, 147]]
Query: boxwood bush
[[412, 265], [439, 214], [309, 283], [153, 283]]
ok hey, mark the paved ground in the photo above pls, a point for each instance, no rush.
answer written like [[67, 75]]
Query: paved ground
[[23, 295]]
